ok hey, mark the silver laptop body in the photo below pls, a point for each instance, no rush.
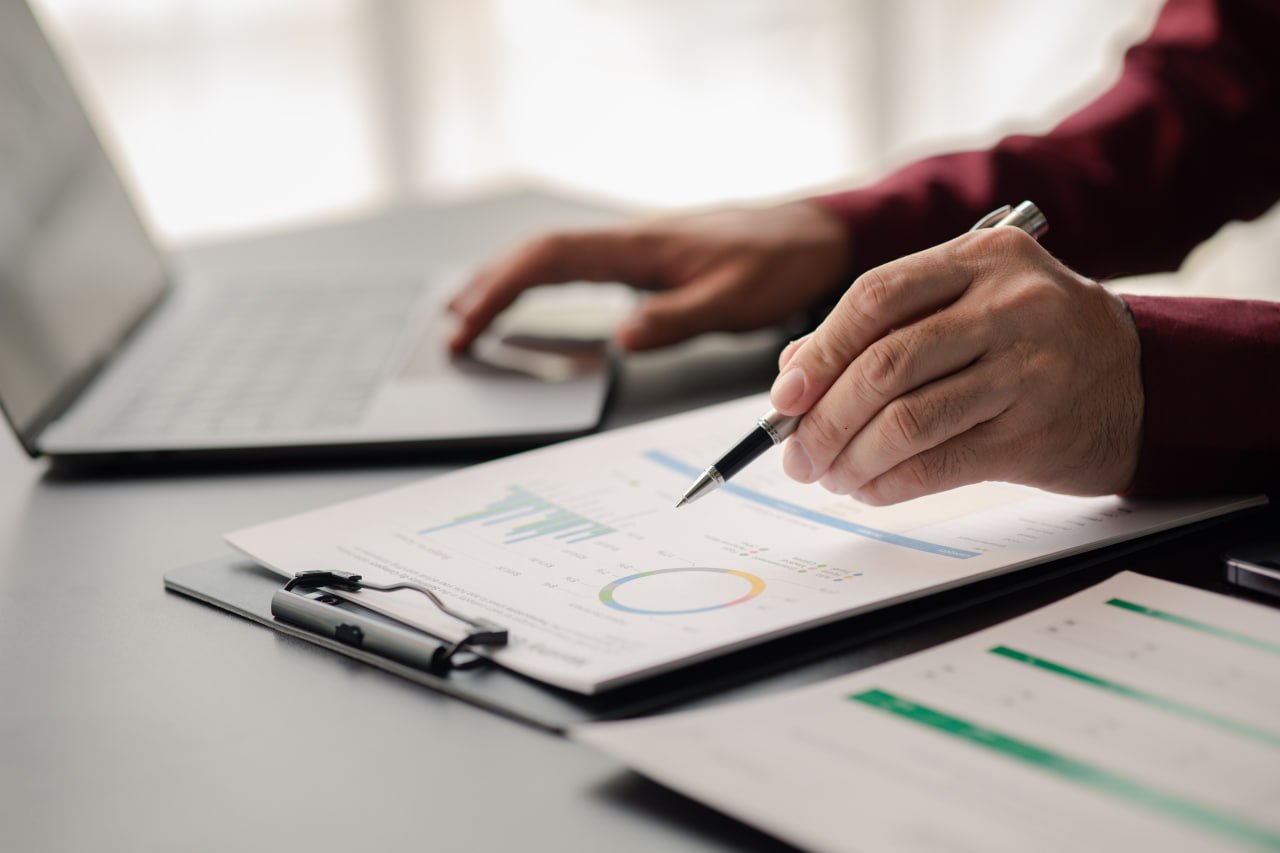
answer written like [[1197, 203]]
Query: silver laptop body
[[104, 355]]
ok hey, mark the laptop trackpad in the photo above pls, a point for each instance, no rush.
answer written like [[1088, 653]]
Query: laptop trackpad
[[543, 359], [551, 334]]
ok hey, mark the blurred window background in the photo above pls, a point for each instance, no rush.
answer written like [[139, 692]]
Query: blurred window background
[[237, 115]]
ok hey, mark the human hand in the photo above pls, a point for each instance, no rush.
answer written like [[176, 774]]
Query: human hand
[[980, 359], [725, 271]]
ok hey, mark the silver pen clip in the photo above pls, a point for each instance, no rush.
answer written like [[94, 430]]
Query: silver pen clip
[[1025, 216]]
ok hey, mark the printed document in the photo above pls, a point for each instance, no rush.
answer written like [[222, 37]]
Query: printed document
[[578, 549], [1135, 715]]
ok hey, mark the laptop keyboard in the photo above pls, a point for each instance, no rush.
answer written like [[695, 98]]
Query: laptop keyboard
[[272, 359]]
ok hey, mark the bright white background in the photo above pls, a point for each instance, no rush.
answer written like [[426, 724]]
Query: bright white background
[[236, 115]]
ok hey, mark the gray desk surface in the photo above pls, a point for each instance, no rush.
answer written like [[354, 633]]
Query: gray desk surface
[[134, 719]]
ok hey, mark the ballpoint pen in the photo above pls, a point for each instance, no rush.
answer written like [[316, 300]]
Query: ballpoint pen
[[774, 427]]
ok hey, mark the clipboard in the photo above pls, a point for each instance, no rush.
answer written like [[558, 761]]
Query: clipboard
[[240, 586]]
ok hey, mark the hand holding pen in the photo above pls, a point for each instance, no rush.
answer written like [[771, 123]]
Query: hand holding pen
[[980, 359]]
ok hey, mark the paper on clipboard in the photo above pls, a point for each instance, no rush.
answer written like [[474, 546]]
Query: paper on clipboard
[[577, 549]]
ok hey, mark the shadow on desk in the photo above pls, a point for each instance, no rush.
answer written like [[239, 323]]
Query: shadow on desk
[[634, 793]]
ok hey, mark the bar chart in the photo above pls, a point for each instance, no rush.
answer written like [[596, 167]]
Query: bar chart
[[522, 515]]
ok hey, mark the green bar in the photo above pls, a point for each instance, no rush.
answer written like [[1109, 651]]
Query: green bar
[[584, 535], [1071, 769], [551, 522], [553, 526], [515, 499], [1233, 726], [1202, 627]]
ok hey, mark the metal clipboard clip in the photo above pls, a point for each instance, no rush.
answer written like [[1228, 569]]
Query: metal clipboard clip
[[305, 602]]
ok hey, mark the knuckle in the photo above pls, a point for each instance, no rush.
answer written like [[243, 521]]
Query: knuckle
[[822, 431], [542, 252], [955, 464], [885, 366], [1035, 308], [873, 292], [927, 473], [912, 478], [839, 338], [918, 476], [824, 354], [560, 257], [1034, 291], [988, 246], [860, 315], [904, 425]]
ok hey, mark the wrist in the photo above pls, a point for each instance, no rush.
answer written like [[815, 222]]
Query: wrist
[[1127, 428]]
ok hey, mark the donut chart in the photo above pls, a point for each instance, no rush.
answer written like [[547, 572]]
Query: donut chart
[[681, 592]]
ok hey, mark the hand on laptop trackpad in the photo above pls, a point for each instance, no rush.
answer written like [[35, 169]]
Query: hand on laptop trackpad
[[553, 334], [551, 360]]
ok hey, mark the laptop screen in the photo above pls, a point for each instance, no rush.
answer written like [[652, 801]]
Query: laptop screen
[[77, 268]]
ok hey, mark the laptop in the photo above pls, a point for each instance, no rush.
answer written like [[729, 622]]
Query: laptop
[[106, 355]]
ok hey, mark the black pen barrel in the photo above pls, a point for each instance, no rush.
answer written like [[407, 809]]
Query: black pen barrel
[[746, 451]]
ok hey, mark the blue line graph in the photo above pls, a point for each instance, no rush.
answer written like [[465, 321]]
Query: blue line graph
[[811, 515], [527, 516]]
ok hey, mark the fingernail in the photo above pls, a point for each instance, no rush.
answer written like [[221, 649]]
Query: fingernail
[[788, 389], [796, 462]]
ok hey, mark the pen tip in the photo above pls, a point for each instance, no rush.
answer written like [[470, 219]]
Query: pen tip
[[682, 502]]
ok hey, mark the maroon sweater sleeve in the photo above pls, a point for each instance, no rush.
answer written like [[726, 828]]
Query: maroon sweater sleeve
[[1187, 139], [1211, 380]]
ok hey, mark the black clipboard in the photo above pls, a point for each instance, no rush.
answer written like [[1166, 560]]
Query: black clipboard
[[240, 586]]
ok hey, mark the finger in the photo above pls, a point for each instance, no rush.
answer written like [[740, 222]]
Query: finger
[[672, 316], [887, 297], [880, 377], [588, 256], [880, 300], [972, 457], [789, 351], [915, 423]]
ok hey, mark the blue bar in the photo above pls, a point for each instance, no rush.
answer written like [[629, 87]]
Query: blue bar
[[573, 531], [522, 538], [555, 520], [598, 531], [512, 516], [549, 527], [809, 515]]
